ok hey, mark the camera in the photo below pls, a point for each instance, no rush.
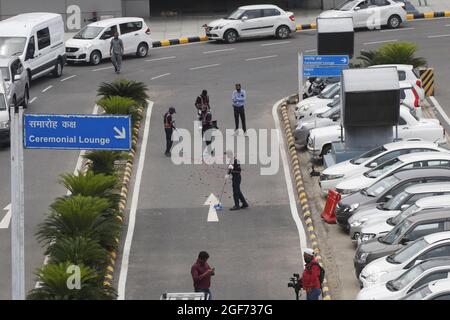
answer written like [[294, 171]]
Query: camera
[[296, 283]]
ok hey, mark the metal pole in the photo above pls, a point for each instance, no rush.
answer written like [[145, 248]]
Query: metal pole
[[17, 219], [300, 76]]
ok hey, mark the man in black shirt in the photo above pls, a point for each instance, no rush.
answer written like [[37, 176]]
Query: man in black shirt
[[169, 125], [235, 171]]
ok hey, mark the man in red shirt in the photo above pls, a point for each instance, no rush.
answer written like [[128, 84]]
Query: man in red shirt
[[201, 274], [311, 275]]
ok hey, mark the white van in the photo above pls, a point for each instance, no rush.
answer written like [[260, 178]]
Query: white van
[[38, 39], [4, 114], [92, 43]]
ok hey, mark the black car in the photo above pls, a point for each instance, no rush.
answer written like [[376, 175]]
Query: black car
[[386, 189]]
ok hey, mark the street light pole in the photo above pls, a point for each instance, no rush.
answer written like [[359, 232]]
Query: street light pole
[[17, 205]]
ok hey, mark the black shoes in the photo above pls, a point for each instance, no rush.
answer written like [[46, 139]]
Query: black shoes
[[167, 154], [235, 208], [238, 208], [245, 205]]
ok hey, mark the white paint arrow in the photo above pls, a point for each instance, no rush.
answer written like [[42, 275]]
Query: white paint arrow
[[120, 134], [4, 224], [212, 213]]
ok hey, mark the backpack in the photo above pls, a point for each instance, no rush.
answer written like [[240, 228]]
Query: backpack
[[322, 274]]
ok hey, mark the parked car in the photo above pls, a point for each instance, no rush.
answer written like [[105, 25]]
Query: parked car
[[252, 21], [319, 120], [16, 81], [307, 107], [394, 206], [385, 189], [370, 14], [407, 161], [391, 266], [408, 73], [37, 38], [4, 115], [313, 86], [375, 226], [436, 290], [92, 43], [410, 229], [417, 276], [333, 175], [409, 127]]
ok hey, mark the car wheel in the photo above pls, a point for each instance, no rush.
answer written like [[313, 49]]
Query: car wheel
[[394, 22], [95, 57], [326, 149], [57, 72], [142, 50], [282, 32], [230, 36]]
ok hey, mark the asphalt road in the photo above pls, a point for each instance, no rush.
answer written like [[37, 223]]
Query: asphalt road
[[254, 251]]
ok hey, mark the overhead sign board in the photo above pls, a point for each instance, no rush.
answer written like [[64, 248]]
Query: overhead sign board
[[337, 60], [78, 132]]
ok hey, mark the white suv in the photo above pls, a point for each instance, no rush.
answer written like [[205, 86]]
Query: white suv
[[252, 21], [92, 43]]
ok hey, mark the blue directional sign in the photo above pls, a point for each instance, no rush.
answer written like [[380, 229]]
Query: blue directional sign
[[322, 72], [80, 132], [325, 60]]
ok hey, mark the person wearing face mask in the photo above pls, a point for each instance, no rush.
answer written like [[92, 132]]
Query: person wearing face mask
[[238, 100], [311, 281]]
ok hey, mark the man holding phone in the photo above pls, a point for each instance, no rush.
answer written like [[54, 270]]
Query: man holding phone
[[201, 274]]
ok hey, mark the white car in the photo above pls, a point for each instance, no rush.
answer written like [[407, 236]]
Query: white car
[[4, 115], [436, 290], [334, 174], [390, 267], [306, 108], [406, 72], [412, 279], [16, 81], [370, 14], [410, 98], [252, 21], [406, 161], [361, 232], [92, 43], [409, 127]]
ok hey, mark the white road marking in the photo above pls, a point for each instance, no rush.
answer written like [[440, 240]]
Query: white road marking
[[159, 59], [105, 68], [207, 66], [4, 224], [440, 110], [32, 100], [133, 209], [160, 76], [447, 25], [69, 78], [274, 43], [221, 50], [400, 29], [46, 89], [312, 50], [212, 213], [287, 176], [183, 44], [381, 41], [260, 58], [439, 36]]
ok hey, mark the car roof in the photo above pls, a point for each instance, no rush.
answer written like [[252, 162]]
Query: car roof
[[4, 61], [410, 144], [442, 201], [436, 262], [422, 172], [20, 25], [418, 156], [405, 84], [439, 285], [112, 21], [429, 215], [436, 237], [259, 6], [429, 187], [398, 66]]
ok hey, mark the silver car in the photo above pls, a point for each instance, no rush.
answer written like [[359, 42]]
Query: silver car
[[16, 81]]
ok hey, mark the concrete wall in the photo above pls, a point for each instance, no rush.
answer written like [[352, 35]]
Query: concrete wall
[[136, 8]]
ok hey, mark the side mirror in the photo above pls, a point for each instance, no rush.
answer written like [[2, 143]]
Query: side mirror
[[404, 241], [404, 206], [373, 165], [244, 18], [17, 77], [357, 8], [389, 197]]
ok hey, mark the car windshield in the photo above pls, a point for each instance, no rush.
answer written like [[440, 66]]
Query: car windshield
[[5, 73], [331, 112], [88, 33], [330, 91], [347, 5], [236, 14], [419, 294], [406, 278], [2, 102], [10, 46], [406, 253], [396, 202], [384, 168], [369, 154], [405, 213], [382, 185], [395, 233]]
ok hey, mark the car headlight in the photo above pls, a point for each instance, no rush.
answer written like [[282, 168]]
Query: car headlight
[[325, 177], [374, 277], [363, 256], [4, 125], [306, 107], [347, 191], [357, 223], [218, 27], [367, 236], [353, 207]]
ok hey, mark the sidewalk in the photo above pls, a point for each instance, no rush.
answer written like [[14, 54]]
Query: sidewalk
[[423, 6]]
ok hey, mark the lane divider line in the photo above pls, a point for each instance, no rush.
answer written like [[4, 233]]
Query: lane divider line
[[207, 66], [160, 76], [46, 89], [312, 50], [221, 50], [260, 58], [274, 43], [105, 68], [381, 41], [399, 29], [32, 100], [159, 59], [68, 78], [439, 36]]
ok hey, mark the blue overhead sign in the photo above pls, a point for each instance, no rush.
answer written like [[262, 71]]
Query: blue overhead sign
[[322, 72], [79, 132], [325, 60]]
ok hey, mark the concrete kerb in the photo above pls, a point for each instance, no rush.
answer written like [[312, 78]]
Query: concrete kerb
[[302, 196]]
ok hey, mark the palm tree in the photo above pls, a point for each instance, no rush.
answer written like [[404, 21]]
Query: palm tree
[[94, 185], [78, 250], [393, 53], [103, 161], [80, 216], [120, 105], [125, 88], [56, 284]]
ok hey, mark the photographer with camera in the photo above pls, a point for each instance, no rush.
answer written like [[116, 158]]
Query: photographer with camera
[[312, 276]]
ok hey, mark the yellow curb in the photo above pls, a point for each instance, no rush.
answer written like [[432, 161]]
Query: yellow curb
[[117, 240], [325, 289], [204, 38], [106, 283], [113, 254], [428, 15], [327, 298], [308, 221], [165, 43], [409, 17], [314, 244], [119, 218], [108, 276], [184, 40], [313, 25], [110, 269], [307, 213], [303, 201], [312, 236], [447, 13]]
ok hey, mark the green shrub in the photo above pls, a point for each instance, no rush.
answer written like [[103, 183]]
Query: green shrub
[[103, 161], [393, 53], [120, 106], [125, 88]]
